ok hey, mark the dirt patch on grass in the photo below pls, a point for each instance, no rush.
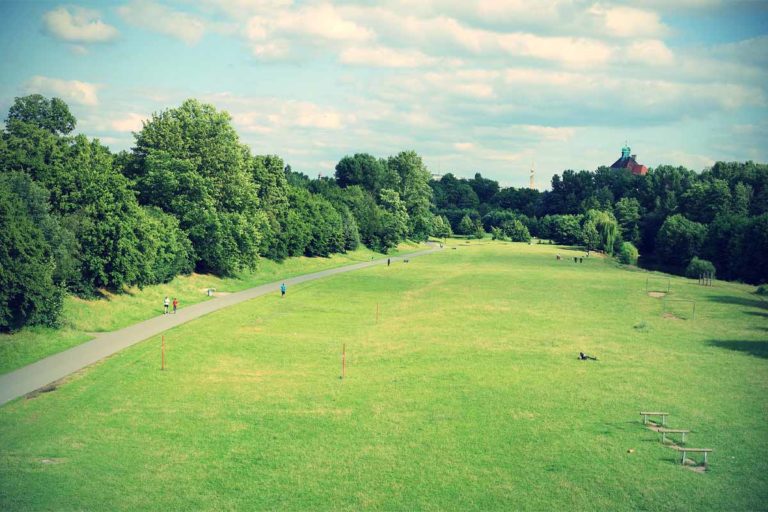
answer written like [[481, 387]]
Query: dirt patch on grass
[[657, 295], [52, 460], [671, 316]]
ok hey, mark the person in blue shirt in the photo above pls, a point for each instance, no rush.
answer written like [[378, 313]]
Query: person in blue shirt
[[282, 290]]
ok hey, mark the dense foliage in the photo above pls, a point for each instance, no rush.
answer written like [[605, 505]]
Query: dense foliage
[[190, 196], [670, 215]]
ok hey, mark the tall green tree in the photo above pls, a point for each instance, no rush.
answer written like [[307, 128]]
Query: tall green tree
[[414, 191], [627, 212], [52, 115], [392, 222], [606, 227], [679, 240], [28, 294], [270, 177], [189, 162], [367, 171]]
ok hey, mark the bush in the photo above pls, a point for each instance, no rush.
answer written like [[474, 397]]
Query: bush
[[762, 289], [679, 240], [698, 267], [466, 226], [479, 232], [516, 231], [628, 254]]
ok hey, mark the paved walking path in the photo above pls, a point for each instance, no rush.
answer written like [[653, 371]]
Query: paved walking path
[[37, 375]]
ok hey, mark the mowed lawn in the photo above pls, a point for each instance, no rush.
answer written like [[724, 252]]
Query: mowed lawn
[[84, 318], [465, 395]]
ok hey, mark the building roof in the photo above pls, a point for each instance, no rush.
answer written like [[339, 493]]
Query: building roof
[[628, 161]]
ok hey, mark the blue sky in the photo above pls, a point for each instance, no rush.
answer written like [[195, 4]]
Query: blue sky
[[490, 86]]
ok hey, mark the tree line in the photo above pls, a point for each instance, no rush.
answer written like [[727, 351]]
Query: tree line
[[672, 219], [189, 196]]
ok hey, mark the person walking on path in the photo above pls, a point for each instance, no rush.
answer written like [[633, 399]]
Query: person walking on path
[[166, 303], [175, 304], [282, 290], [388, 261]]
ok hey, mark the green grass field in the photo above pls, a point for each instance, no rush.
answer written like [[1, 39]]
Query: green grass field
[[465, 395], [82, 318]]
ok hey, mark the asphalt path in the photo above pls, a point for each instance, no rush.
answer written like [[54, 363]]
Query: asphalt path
[[53, 368]]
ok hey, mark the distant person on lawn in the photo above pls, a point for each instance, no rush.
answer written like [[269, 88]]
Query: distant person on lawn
[[282, 290], [584, 357], [175, 304], [166, 303]]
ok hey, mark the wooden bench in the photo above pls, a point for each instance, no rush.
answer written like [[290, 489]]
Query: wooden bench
[[662, 414], [665, 431], [705, 451]]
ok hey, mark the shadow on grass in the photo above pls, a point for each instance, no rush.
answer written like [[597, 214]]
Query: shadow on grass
[[740, 301], [757, 313], [754, 348]]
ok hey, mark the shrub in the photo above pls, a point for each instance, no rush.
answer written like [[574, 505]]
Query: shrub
[[762, 289], [466, 226], [628, 254], [698, 267], [479, 232], [516, 231]]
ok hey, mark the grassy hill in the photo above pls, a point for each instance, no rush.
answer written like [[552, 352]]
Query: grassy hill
[[84, 318], [465, 394]]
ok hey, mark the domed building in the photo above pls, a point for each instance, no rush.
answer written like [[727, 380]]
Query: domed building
[[628, 161]]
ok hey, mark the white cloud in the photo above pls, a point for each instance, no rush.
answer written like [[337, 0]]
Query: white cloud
[[131, 122], [690, 160], [78, 25], [561, 134], [443, 35], [463, 146], [381, 56], [161, 19], [288, 34], [75, 91], [651, 52], [267, 115], [321, 22], [240, 9], [623, 21], [568, 50]]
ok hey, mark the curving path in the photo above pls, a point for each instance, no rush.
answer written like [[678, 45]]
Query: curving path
[[37, 375]]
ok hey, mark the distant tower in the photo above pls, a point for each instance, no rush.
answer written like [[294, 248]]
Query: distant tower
[[532, 183], [625, 151]]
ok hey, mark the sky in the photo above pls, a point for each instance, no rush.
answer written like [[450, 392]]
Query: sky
[[491, 86]]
